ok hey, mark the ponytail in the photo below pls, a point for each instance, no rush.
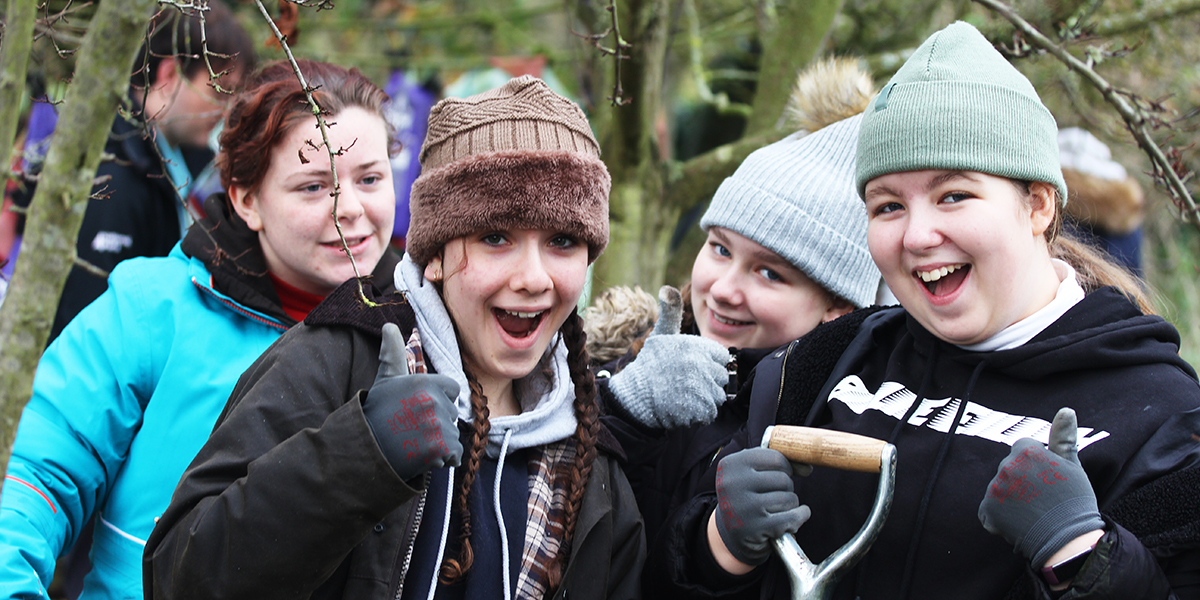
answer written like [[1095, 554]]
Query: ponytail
[[1095, 271]]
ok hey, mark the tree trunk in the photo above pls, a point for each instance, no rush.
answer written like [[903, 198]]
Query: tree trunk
[[14, 62], [636, 249], [99, 85], [649, 193], [797, 34]]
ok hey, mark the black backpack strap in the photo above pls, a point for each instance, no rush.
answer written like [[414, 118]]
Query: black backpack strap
[[805, 367]]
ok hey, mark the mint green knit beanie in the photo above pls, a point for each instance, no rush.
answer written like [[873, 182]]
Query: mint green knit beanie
[[957, 104]]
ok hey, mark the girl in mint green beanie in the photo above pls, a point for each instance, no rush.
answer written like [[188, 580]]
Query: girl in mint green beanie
[[1047, 432]]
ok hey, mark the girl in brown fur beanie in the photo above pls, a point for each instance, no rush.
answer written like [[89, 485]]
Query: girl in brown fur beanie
[[466, 461]]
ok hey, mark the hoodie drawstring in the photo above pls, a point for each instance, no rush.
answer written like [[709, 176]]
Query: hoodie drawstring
[[437, 564], [860, 578], [937, 469], [500, 516]]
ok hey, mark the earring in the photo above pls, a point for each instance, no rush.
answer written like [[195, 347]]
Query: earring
[[437, 275]]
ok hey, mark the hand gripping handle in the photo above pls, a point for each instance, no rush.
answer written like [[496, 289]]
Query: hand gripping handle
[[839, 450]]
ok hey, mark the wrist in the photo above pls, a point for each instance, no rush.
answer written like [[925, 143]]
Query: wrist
[[1063, 565], [720, 551]]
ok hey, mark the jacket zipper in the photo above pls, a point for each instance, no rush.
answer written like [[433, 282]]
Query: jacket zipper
[[782, 376], [778, 398], [412, 539]]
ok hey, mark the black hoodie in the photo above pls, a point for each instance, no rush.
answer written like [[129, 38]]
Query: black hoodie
[[1138, 406]]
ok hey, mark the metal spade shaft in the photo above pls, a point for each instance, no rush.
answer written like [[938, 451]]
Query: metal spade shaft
[[838, 450]]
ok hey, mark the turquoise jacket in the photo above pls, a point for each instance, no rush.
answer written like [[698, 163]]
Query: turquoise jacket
[[122, 401], [126, 397]]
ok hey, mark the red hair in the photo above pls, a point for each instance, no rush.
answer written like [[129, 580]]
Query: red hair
[[273, 102]]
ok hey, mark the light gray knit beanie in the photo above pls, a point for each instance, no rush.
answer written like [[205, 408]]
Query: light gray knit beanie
[[796, 198], [957, 104]]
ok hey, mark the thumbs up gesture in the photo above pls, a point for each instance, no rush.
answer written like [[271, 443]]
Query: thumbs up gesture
[[412, 416], [1040, 498], [677, 379]]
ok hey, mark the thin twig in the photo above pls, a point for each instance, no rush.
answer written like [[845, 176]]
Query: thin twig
[[619, 52], [1135, 118], [319, 113]]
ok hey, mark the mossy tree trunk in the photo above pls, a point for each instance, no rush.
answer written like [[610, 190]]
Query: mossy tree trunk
[[14, 62], [97, 88], [650, 192]]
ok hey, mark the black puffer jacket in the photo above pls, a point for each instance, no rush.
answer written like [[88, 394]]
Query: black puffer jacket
[[292, 497], [1139, 413], [135, 212]]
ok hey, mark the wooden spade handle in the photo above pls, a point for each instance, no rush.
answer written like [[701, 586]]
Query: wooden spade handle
[[828, 448]]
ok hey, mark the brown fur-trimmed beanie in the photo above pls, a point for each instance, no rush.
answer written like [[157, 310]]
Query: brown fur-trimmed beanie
[[518, 156]]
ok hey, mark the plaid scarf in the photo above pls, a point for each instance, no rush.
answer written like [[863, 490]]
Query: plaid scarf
[[549, 484]]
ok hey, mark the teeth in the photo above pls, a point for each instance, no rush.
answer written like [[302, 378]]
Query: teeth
[[936, 274], [524, 315], [721, 319]]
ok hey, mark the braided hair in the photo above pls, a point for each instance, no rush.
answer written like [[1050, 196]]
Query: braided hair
[[587, 415]]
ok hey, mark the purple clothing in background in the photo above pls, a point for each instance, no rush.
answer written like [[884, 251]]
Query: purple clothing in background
[[409, 114], [42, 118]]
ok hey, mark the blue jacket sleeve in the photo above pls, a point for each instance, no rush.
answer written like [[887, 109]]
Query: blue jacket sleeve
[[73, 436]]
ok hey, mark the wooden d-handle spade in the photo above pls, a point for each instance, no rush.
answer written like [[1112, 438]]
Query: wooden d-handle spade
[[838, 450]]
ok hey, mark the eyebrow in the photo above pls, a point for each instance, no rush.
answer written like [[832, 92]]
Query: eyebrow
[[949, 176], [326, 172], [879, 190], [758, 252], [883, 190]]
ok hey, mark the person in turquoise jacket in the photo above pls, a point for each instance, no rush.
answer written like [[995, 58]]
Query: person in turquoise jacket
[[129, 392]]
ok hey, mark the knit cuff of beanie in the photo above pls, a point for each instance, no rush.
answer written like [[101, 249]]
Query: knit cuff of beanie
[[517, 156], [927, 125], [957, 104]]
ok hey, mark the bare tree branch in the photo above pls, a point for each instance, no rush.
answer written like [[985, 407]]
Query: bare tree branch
[[1137, 113], [619, 52]]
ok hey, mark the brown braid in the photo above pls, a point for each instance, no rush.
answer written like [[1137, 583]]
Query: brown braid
[[453, 570], [587, 413]]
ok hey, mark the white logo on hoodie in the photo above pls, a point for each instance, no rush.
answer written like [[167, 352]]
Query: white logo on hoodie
[[893, 399]]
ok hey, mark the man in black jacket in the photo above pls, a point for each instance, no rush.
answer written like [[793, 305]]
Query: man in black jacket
[[159, 149]]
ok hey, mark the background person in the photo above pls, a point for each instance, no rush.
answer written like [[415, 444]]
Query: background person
[[137, 210]]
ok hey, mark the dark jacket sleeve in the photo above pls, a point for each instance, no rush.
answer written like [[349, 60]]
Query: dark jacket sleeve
[[290, 481], [617, 530], [1119, 567], [682, 566], [132, 213]]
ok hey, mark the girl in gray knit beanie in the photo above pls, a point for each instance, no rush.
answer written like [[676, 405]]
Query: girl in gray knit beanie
[[786, 251]]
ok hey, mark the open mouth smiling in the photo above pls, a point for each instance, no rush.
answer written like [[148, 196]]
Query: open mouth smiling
[[943, 280], [518, 324], [727, 321]]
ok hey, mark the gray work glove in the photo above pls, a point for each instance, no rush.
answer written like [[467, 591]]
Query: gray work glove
[[756, 503], [413, 416], [1041, 498], [677, 379]]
